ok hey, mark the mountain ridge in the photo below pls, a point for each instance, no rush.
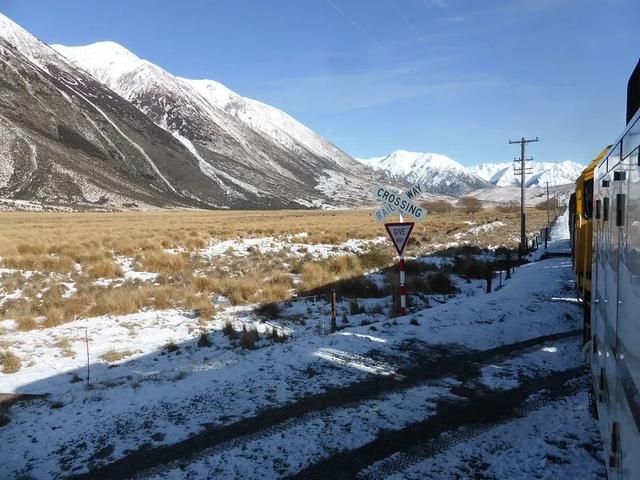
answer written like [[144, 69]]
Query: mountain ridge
[[445, 175], [69, 139]]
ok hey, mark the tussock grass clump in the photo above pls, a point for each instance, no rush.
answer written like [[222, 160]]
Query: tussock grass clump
[[273, 293], [53, 316], [248, 338], [207, 284], [240, 290], [155, 261], [113, 356], [201, 305], [228, 330], [203, 340], [314, 275], [64, 344], [10, 362], [377, 257], [41, 263], [104, 269]]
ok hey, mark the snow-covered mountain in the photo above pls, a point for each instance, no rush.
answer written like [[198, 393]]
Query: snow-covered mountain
[[444, 175], [439, 173], [501, 174], [103, 128], [269, 150]]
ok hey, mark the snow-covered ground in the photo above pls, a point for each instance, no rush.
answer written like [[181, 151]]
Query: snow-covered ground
[[167, 388]]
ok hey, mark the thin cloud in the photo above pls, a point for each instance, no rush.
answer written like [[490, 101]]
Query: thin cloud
[[354, 23], [347, 92], [408, 23]]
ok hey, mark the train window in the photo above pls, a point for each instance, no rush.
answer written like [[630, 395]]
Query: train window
[[620, 198], [598, 208], [605, 209], [587, 199]]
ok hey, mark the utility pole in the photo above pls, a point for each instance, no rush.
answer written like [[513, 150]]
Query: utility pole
[[522, 170], [546, 233]]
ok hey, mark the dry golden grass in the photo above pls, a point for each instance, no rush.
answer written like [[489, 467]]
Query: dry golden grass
[[80, 247], [161, 262], [104, 268], [113, 356], [10, 362]]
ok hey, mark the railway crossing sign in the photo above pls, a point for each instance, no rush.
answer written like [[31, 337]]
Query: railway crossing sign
[[399, 233], [398, 202], [401, 203]]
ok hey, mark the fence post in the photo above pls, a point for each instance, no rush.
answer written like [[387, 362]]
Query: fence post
[[489, 279], [508, 276], [334, 325]]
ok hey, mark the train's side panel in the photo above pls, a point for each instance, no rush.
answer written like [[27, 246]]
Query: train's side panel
[[615, 321], [628, 394]]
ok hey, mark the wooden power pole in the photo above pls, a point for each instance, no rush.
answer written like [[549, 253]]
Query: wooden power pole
[[522, 171], [546, 233]]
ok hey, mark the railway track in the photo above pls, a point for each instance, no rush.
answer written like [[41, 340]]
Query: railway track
[[434, 364], [459, 420]]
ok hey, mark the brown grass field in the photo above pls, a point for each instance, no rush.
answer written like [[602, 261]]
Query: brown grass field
[[51, 252]]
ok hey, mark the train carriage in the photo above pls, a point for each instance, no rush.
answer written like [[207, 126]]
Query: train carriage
[[614, 284]]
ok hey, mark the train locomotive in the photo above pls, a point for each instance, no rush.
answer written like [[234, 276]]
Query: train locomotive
[[605, 234]]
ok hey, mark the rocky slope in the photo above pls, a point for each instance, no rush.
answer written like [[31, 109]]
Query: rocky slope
[[67, 138]]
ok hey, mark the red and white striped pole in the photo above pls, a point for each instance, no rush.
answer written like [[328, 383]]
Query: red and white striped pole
[[403, 288]]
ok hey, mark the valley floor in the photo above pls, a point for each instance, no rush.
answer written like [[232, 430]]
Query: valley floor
[[475, 386]]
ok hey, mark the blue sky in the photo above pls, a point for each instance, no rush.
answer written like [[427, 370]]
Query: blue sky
[[458, 77]]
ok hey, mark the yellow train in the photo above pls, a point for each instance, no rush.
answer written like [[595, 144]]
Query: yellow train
[[605, 231]]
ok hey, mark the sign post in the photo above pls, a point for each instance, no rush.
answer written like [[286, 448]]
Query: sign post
[[401, 203], [400, 233]]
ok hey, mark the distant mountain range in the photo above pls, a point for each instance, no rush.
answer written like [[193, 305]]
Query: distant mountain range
[[501, 174], [97, 126], [446, 176], [439, 173]]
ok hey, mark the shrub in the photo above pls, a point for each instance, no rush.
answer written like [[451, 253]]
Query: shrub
[[269, 310], [356, 287], [418, 284], [509, 207], [248, 338], [10, 362], [171, 346], [470, 267], [228, 330], [438, 206], [203, 340], [440, 282], [354, 307], [470, 204]]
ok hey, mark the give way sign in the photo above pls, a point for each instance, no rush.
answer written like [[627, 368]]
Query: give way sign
[[399, 233]]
